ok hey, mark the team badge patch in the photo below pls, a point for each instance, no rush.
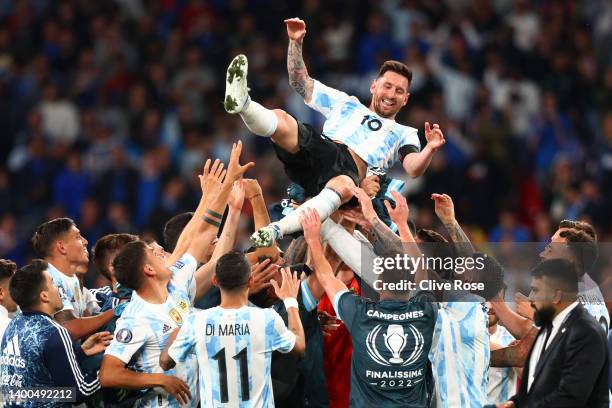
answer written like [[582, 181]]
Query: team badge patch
[[183, 305], [123, 336], [176, 316]]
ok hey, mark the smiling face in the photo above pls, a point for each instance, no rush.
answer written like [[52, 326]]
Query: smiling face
[[389, 94]]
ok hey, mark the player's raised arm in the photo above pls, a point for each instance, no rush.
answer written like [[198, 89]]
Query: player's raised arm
[[312, 234], [287, 292], [211, 181], [414, 163], [445, 211], [203, 275], [298, 74]]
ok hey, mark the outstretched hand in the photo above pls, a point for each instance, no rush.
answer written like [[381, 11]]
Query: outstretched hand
[[289, 286], [296, 28], [399, 214], [212, 177], [434, 136], [311, 223], [234, 169], [366, 204], [444, 208], [96, 343], [236, 197]]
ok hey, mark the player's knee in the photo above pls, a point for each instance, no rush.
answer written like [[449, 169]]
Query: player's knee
[[343, 185], [284, 120]]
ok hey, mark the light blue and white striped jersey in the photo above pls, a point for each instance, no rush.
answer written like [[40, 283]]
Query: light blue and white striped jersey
[[502, 380], [144, 328], [590, 296], [70, 291], [373, 138], [460, 354], [234, 351]]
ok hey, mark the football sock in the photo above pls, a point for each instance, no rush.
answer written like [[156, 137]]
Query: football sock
[[259, 120], [326, 202]]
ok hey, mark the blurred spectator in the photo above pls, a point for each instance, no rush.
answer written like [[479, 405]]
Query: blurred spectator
[[60, 117], [509, 230], [107, 108]]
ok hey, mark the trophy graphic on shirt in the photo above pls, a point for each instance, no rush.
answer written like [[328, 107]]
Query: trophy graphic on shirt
[[395, 340]]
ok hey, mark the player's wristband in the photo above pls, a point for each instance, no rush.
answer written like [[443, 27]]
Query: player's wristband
[[290, 302]]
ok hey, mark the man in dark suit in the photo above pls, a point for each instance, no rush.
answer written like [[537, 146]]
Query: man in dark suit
[[568, 362]]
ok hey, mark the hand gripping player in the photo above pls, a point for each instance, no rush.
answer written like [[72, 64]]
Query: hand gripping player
[[355, 137]]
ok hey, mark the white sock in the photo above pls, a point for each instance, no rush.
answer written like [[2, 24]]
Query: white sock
[[259, 120], [326, 202]]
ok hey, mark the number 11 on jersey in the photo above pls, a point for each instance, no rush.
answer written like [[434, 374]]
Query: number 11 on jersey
[[244, 373]]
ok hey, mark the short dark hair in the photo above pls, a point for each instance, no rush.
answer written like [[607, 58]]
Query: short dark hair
[[48, 233], [106, 248], [427, 235], [233, 271], [583, 247], [7, 269], [27, 283], [491, 276], [434, 245], [128, 264], [297, 251], [580, 226], [397, 67], [173, 228], [561, 271]]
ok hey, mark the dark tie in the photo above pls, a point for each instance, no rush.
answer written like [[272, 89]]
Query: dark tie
[[548, 329]]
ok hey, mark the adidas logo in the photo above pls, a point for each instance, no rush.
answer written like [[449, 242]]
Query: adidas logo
[[166, 329], [11, 354]]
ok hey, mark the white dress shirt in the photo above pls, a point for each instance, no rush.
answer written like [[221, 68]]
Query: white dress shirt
[[537, 348]]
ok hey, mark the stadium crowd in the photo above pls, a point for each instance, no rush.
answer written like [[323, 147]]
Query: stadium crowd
[[122, 176]]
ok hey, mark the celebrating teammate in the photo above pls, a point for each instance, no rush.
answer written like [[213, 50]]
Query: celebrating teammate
[[234, 342], [356, 137], [391, 338]]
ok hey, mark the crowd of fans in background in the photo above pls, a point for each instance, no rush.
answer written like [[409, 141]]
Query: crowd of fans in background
[[108, 109]]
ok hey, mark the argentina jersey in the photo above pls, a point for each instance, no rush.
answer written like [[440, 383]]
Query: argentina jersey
[[234, 352], [590, 296], [143, 330], [460, 354], [70, 291], [378, 141], [502, 380]]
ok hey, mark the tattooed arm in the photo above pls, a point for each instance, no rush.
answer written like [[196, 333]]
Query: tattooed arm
[[445, 210], [516, 354], [298, 74]]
